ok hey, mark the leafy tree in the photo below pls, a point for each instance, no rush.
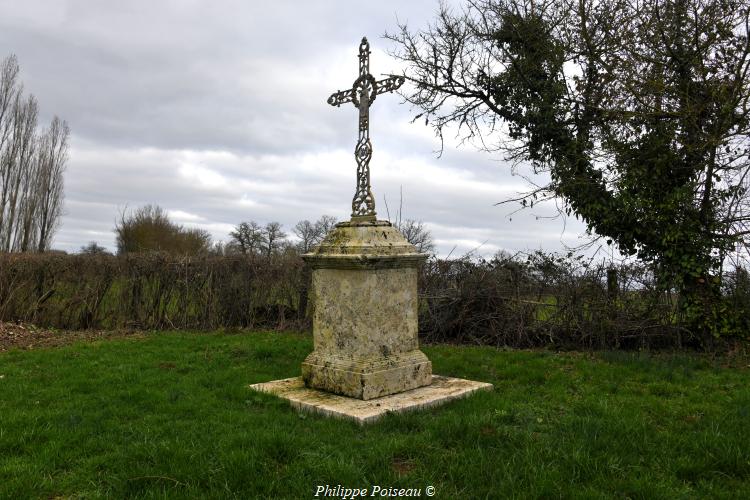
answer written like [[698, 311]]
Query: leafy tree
[[149, 229], [637, 110]]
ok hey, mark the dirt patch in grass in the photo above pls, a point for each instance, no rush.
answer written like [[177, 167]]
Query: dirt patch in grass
[[402, 466], [26, 336]]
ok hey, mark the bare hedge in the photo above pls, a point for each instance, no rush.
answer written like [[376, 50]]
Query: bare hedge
[[521, 301], [149, 291], [562, 301]]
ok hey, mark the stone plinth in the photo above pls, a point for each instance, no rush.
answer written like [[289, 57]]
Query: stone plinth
[[364, 298], [442, 390]]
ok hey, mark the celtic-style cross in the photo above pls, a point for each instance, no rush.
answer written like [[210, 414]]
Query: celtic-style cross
[[362, 93]]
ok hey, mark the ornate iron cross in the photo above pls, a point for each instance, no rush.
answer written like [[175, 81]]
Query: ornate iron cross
[[362, 94]]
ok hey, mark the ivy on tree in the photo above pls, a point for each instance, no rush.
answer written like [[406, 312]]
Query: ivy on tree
[[637, 110]]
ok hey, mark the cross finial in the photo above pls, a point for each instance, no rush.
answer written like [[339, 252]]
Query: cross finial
[[362, 94]]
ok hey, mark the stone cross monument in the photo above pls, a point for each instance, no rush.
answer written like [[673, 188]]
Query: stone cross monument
[[364, 283], [362, 94], [366, 359]]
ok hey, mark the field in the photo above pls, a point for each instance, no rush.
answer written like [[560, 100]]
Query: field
[[169, 414]]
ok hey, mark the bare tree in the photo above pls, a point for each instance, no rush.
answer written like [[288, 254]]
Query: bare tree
[[93, 248], [31, 168], [310, 234], [53, 154], [194, 241], [9, 89], [325, 224], [273, 237], [414, 231], [149, 229], [248, 237], [417, 234], [19, 168], [9, 106], [307, 233]]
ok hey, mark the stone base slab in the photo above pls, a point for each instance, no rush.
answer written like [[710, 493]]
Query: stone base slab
[[442, 390], [367, 379]]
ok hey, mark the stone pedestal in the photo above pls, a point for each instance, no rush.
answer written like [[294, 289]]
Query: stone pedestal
[[364, 298]]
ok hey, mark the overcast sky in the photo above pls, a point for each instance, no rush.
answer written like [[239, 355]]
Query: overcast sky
[[217, 112]]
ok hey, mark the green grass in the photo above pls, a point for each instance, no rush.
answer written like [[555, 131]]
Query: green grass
[[171, 416]]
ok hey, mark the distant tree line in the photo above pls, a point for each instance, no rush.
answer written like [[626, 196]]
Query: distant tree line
[[32, 164], [149, 229], [250, 238]]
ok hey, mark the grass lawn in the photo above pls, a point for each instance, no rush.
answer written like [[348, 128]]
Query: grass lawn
[[170, 415]]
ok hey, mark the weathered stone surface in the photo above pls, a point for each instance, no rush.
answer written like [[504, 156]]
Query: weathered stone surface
[[441, 390], [364, 297], [364, 244], [367, 377]]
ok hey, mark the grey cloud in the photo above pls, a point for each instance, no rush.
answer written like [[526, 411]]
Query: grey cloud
[[217, 111], [242, 76]]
